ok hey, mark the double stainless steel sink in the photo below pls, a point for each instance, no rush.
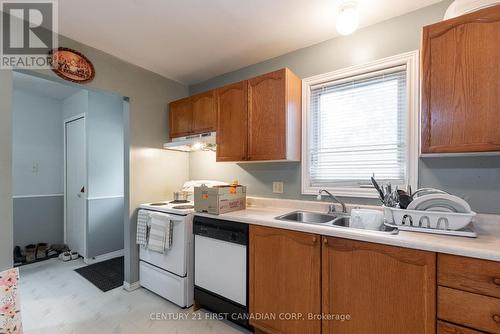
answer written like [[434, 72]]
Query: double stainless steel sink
[[314, 217], [334, 219]]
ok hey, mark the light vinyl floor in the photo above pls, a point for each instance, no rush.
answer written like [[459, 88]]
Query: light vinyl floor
[[57, 300]]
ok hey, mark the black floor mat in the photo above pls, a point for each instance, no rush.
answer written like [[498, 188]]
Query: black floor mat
[[105, 275]]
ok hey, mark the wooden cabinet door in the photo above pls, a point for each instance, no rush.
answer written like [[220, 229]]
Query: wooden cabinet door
[[461, 84], [447, 328], [384, 289], [285, 280], [181, 118], [204, 112], [267, 116], [232, 125], [469, 309]]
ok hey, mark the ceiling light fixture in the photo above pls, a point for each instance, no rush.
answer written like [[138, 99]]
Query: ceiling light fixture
[[347, 17]]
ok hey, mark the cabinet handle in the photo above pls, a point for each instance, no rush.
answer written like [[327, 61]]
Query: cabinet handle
[[496, 280], [325, 241], [315, 238], [496, 318]]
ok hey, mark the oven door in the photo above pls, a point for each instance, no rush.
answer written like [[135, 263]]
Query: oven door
[[221, 268], [175, 259]]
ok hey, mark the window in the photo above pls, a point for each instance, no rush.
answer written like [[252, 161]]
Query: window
[[359, 122]]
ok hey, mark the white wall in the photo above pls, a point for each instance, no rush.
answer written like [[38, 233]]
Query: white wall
[[37, 157]]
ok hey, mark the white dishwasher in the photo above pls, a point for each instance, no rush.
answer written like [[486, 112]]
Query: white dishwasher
[[221, 267]]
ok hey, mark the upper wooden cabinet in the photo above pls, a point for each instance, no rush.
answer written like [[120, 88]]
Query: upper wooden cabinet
[[461, 84], [181, 118], [232, 124], [285, 280], [204, 112], [274, 116], [256, 120], [384, 289], [192, 115]]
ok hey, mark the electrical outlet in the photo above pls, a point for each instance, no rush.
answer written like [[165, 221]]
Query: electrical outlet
[[278, 187]]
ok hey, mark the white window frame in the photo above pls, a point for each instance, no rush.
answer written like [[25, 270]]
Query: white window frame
[[411, 61]]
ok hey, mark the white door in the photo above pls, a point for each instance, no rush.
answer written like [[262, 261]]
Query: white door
[[75, 185]]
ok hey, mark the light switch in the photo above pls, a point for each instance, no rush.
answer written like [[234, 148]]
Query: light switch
[[278, 187]]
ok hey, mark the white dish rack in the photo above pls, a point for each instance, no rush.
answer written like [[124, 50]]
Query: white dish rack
[[429, 220]]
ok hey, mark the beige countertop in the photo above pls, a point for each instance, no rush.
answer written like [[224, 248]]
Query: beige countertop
[[263, 212]]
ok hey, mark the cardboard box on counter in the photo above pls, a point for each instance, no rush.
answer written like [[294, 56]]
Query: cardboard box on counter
[[220, 199]]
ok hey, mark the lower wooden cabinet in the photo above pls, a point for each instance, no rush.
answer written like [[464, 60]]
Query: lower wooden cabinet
[[472, 275], [468, 293], [447, 328], [285, 280], [383, 289], [342, 287], [469, 309]]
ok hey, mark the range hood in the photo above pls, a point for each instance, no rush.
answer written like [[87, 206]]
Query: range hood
[[200, 142]]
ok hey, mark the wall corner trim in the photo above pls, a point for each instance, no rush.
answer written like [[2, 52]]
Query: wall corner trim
[[131, 286], [104, 257]]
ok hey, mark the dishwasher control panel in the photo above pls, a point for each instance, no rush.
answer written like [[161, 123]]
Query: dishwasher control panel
[[221, 229]]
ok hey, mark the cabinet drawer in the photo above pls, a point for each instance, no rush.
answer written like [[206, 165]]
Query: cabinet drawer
[[469, 309], [473, 275], [447, 328]]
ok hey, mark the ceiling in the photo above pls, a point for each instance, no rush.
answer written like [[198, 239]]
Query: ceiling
[[193, 40], [42, 87]]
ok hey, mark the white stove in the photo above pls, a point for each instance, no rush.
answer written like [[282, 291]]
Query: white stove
[[170, 274], [179, 207]]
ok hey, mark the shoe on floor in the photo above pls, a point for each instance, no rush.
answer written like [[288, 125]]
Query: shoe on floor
[[74, 255], [30, 251], [41, 250], [18, 256], [66, 256]]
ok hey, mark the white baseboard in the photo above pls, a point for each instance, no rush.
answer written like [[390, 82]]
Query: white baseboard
[[131, 286], [104, 257]]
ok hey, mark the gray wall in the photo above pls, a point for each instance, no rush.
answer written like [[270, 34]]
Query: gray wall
[[105, 141], [104, 225], [75, 104], [37, 141], [6, 205], [104, 131], [151, 172], [475, 178], [38, 219]]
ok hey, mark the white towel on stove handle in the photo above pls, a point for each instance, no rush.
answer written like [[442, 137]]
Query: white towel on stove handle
[[142, 228], [160, 232]]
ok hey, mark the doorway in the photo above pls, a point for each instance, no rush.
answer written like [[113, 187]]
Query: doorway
[[75, 181], [68, 170]]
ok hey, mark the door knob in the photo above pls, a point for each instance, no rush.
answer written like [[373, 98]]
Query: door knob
[[83, 189]]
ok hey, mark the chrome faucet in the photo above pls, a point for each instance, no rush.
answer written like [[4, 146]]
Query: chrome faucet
[[331, 209]]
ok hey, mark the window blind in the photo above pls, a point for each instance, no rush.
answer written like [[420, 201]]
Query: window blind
[[357, 128]]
